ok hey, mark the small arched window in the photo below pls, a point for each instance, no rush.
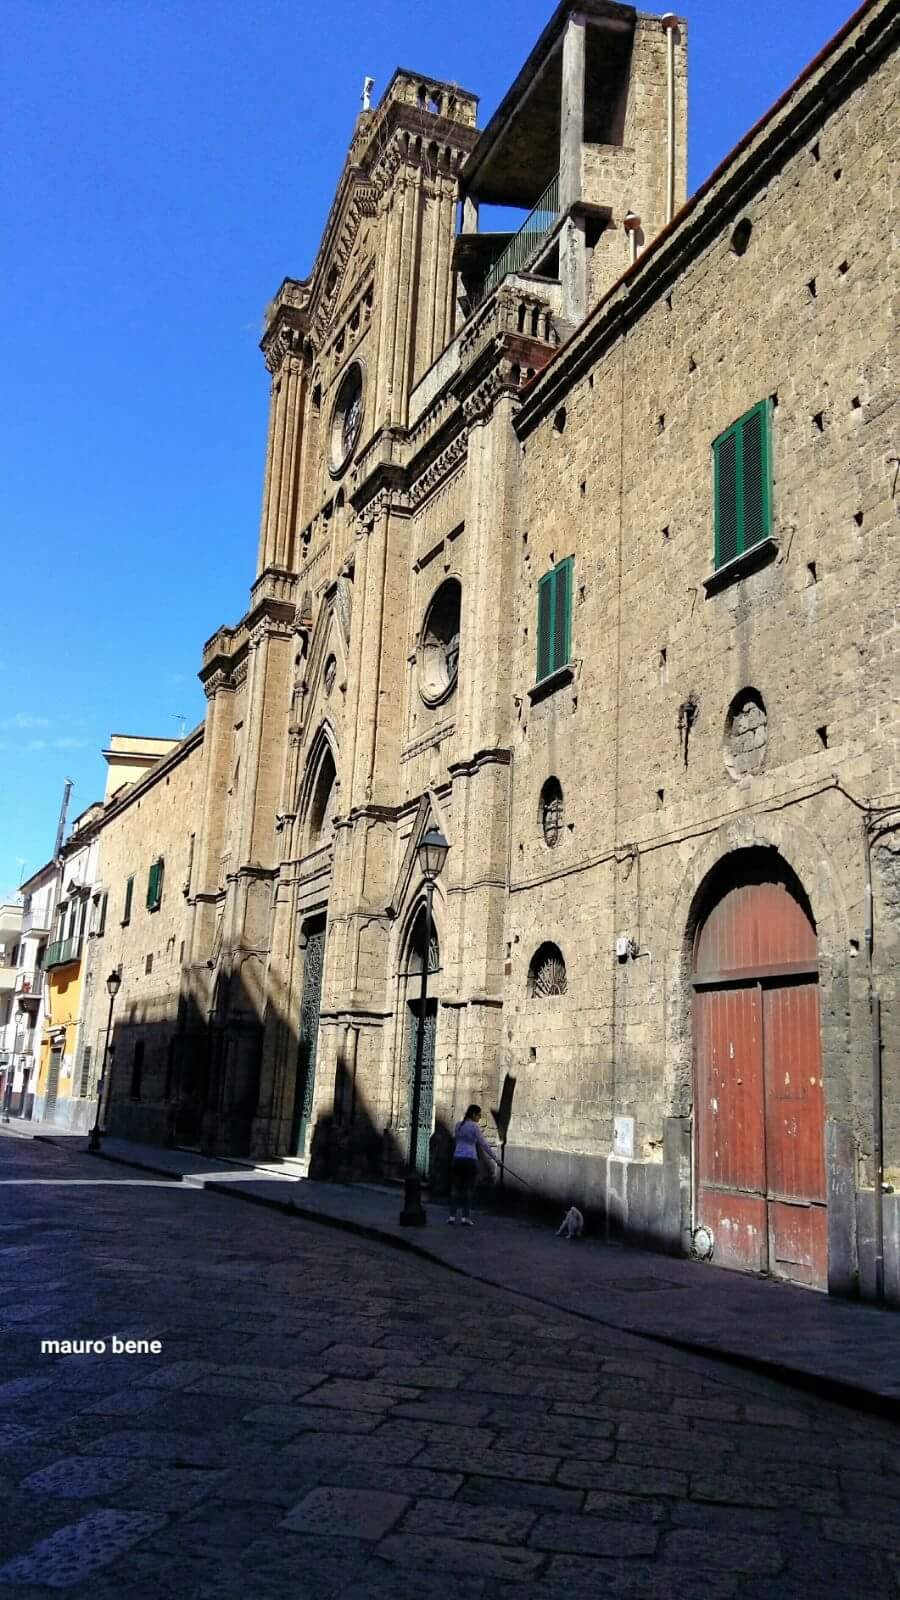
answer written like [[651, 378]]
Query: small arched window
[[323, 806], [746, 734], [547, 972]]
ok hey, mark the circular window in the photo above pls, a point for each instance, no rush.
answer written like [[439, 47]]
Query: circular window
[[330, 673], [439, 644], [551, 811], [346, 419], [746, 734]]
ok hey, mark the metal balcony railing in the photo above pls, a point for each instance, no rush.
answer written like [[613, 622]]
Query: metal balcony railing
[[30, 985], [523, 245], [61, 952]]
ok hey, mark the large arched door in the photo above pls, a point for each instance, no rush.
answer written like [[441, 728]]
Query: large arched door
[[308, 1034], [760, 1106], [415, 954]]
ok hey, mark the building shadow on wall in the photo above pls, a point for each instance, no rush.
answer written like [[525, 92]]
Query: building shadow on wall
[[197, 1078]]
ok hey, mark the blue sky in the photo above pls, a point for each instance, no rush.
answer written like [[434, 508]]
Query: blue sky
[[167, 163]]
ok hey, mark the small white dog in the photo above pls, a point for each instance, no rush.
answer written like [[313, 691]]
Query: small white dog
[[572, 1226]]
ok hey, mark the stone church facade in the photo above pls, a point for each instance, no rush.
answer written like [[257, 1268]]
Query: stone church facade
[[580, 543]]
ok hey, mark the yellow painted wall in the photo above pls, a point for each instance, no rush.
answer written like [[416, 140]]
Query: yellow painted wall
[[64, 993]]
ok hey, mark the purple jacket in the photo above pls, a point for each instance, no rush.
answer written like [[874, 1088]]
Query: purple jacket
[[469, 1140]]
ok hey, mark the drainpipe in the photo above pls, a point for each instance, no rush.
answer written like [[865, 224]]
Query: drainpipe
[[670, 23], [631, 222], [877, 1085]]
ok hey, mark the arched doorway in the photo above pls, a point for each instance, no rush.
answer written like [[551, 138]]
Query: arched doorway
[[308, 1033], [411, 985], [758, 1094]]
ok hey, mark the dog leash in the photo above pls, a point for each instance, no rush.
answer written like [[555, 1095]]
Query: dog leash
[[504, 1169]]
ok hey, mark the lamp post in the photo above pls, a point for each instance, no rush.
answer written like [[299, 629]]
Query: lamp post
[[432, 853], [113, 985]]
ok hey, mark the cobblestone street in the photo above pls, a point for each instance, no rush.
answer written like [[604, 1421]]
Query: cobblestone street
[[329, 1417]]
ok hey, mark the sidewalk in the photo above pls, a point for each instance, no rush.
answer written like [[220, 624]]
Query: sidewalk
[[837, 1347]]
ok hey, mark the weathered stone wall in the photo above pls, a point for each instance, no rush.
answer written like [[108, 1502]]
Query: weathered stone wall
[[156, 817], [616, 471]]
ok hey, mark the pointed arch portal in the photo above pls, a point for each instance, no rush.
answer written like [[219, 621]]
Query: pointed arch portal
[[412, 976], [308, 1034], [760, 1104]]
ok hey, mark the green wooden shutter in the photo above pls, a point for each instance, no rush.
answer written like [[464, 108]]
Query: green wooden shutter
[[725, 457], [742, 484], [545, 625], [562, 614], [129, 892], [101, 920], [154, 886], [755, 481]]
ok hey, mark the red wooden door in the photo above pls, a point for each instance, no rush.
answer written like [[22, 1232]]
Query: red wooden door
[[731, 1135], [760, 1111], [795, 1144]]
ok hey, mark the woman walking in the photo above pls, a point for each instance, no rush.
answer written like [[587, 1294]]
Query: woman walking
[[464, 1171]]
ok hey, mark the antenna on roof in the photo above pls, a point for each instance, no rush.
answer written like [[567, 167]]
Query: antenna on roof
[[180, 719], [368, 86], [63, 810]]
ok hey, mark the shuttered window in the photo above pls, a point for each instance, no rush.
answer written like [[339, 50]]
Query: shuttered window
[[155, 885], [85, 1082], [554, 626], [742, 484], [129, 894]]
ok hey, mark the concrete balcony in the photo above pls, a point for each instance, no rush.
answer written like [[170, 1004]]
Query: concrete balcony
[[10, 923], [37, 920]]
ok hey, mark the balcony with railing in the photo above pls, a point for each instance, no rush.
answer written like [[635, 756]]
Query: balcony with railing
[[559, 134], [62, 952], [525, 245], [29, 988]]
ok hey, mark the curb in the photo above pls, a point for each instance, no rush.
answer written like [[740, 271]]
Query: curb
[[836, 1390], [119, 1161]]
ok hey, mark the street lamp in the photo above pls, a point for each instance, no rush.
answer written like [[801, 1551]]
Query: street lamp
[[113, 985], [432, 854]]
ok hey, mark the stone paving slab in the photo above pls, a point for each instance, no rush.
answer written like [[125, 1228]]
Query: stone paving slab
[[840, 1347], [503, 1448]]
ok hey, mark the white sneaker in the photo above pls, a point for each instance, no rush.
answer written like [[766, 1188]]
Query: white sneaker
[[467, 1222], [451, 1220]]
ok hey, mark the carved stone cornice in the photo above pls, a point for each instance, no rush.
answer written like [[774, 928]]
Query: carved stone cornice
[[216, 680], [225, 655], [497, 756], [270, 616], [286, 338], [361, 201], [383, 490], [439, 467], [478, 406]]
